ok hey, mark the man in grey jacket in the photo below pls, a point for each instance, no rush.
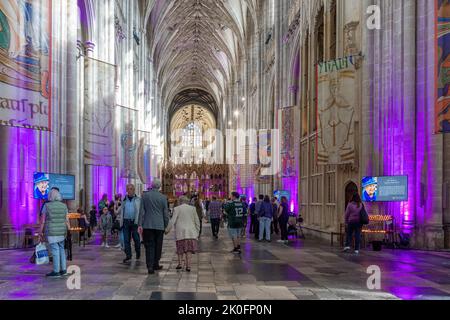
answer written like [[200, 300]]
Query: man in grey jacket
[[153, 221]]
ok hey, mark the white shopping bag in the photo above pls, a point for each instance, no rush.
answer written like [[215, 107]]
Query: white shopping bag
[[41, 254]]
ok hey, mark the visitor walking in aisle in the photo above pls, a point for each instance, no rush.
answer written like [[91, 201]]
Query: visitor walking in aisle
[[199, 208], [353, 223], [128, 217], [215, 214], [265, 215], [118, 223], [253, 216], [153, 221], [54, 227], [106, 224], [235, 212], [245, 217], [283, 219], [187, 228], [274, 226], [83, 223], [93, 221], [206, 205], [257, 209]]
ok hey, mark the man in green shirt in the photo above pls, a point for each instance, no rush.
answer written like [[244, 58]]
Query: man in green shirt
[[235, 215]]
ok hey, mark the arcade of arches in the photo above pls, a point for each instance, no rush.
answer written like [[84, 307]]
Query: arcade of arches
[[118, 79]]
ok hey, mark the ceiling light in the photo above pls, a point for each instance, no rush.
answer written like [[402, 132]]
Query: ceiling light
[[236, 113], [230, 123], [243, 98]]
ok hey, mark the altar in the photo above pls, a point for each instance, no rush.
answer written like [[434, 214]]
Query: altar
[[202, 179]]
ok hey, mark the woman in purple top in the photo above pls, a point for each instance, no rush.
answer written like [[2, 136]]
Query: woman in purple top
[[353, 223]]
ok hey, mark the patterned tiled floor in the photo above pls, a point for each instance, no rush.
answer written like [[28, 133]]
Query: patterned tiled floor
[[304, 270]]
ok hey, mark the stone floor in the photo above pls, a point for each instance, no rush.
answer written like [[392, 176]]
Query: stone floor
[[304, 270]]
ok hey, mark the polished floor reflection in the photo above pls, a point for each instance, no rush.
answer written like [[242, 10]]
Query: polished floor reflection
[[305, 270]]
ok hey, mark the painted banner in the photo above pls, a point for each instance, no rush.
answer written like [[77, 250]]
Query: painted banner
[[128, 143], [443, 65], [264, 157], [336, 111], [25, 64], [288, 142], [99, 114], [145, 161]]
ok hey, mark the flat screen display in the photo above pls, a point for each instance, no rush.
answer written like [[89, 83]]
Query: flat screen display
[[385, 189], [282, 193], [44, 182]]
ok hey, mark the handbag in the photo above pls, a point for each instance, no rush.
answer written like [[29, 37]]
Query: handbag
[[33, 258], [363, 216], [42, 254]]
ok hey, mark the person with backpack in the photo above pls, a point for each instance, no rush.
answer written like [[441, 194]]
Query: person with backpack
[[353, 220]]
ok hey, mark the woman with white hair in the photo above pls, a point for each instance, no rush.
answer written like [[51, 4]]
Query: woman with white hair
[[54, 226], [187, 229]]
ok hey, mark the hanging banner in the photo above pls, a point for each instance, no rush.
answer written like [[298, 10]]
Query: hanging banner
[[287, 126], [99, 115], [443, 66], [264, 157], [128, 143], [144, 157], [336, 103], [25, 64]]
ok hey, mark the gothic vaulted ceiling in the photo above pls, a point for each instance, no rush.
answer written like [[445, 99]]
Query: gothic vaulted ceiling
[[197, 43]]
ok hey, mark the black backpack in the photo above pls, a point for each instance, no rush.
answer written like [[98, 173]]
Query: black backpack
[[364, 217]]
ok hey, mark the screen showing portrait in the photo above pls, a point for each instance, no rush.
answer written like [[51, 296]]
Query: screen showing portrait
[[44, 182], [282, 193], [385, 189]]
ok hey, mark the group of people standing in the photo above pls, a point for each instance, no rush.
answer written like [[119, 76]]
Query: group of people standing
[[145, 220], [268, 216]]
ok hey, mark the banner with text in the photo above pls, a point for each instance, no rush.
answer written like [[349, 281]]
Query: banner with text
[[25, 64], [336, 111]]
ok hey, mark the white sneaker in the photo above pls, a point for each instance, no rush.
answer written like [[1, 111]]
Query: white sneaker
[[103, 244], [118, 246], [356, 252], [346, 249], [280, 241], [106, 246]]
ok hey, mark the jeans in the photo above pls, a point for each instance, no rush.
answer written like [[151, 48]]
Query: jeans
[[121, 238], [264, 224], [130, 230], [283, 228], [215, 226], [253, 223], [59, 257], [153, 242], [354, 228], [275, 225]]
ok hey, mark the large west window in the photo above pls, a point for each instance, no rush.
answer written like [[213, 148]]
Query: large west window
[[192, 136]]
